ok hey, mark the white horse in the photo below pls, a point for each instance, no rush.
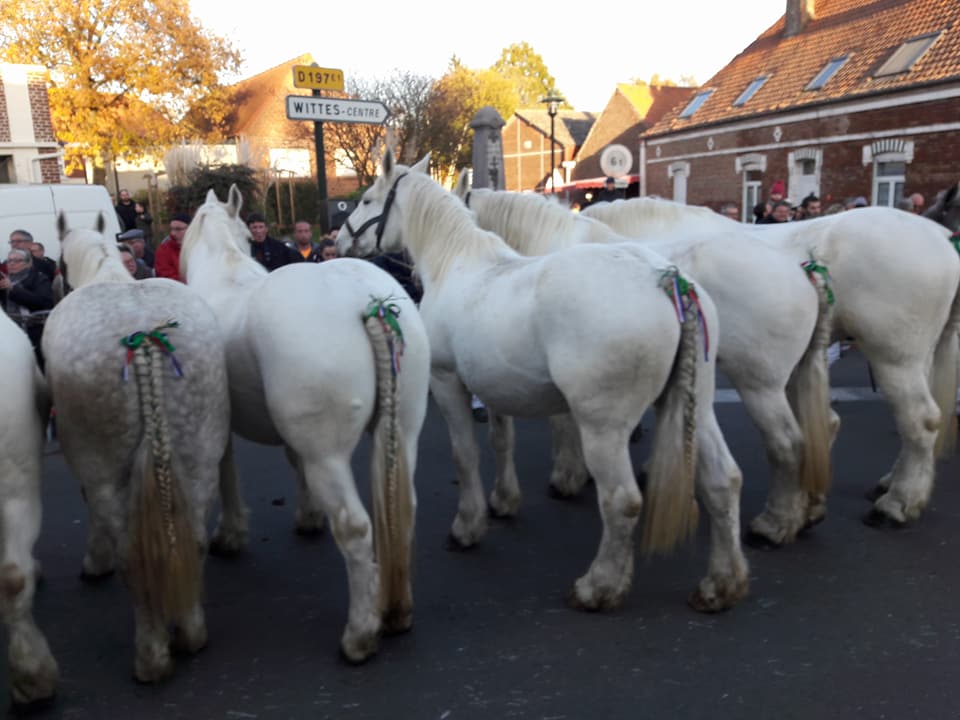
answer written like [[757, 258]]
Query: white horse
[[895, 278], [138, 378], [33, 671], [774, 328], [317, 354], [589, 331]]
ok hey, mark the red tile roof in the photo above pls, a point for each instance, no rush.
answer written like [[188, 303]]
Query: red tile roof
[[867, 31]]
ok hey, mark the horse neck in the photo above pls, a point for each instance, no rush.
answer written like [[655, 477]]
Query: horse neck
[[97, 266], [218, 268], [439, 230], [527, 224]]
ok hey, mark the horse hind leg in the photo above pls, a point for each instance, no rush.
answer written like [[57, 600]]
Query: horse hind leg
[[233, 527], [104, 511], [718, 486], [610, 575], [34, 674], [784, 513], [569, 474], [506, 497], [917, 417], [309, 515], [331, 482]]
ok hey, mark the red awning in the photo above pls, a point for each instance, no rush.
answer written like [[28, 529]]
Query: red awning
[[596, 182]]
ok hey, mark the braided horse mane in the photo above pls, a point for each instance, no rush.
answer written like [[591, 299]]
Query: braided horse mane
[[437, 213], [654, 215]]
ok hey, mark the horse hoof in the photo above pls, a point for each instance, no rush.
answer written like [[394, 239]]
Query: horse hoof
[[454, 545], [812, 522], [874, 494], [397, 621], [97, 578], [877, 519], [359, 651], [702, 604], [759, 542]]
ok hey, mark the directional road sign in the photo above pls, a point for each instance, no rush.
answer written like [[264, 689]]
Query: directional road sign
[[324, 109]]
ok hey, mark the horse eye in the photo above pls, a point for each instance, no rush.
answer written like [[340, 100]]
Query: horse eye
[[365, 201]]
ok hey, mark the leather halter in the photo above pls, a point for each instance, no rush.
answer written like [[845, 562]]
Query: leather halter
[[380, 220]]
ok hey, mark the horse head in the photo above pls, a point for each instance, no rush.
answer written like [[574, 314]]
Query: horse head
[[946, 210], [86, 255], [217, 227], [373, 226]]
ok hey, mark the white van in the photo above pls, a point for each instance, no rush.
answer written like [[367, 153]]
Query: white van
[[35, 208]]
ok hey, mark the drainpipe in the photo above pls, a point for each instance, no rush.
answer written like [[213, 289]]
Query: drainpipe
[[643, 168]]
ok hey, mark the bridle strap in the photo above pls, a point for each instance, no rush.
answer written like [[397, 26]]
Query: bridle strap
[[466, 199], [381, 219]]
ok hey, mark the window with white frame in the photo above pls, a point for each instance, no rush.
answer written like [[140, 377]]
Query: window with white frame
[[752, 192], [889, 180], [679, 172], [803, 166]]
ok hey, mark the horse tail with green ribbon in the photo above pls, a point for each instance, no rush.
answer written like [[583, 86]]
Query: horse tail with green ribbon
[[943, 374], [164, 566], [392, 486], [809, 391], [670, 507]]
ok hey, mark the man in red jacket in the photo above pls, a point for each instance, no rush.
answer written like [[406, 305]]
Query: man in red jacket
[[166, 262]]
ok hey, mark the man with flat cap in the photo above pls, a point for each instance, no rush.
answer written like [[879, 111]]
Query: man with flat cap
[[135, 240]]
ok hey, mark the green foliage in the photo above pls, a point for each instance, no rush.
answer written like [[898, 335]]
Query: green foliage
[[201, 179], [123, 73], [525, 69]]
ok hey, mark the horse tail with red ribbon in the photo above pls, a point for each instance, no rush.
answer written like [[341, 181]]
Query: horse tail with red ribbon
[[394, 501], [943, 374], [809, 391], [164, 564]]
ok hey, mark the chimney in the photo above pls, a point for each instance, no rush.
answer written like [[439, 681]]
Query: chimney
[[799, 12]]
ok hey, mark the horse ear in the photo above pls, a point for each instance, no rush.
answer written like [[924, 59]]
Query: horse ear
[[211, 197], [101, 223], [61, 225], [234, 200], [461, 188], [388, 161], [423, 165]]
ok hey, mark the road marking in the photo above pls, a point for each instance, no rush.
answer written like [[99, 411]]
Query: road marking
[[838, 394]]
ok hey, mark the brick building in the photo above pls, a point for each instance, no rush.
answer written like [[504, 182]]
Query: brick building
[[841, 98], [29, 152], [526, 147], [260, 120]]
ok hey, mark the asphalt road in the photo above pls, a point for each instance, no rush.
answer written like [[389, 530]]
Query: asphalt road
[[849, 622]]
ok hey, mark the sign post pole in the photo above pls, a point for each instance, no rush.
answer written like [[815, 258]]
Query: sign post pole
[[323, 213]]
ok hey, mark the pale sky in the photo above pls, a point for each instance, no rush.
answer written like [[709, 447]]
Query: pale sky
[[587, 47]]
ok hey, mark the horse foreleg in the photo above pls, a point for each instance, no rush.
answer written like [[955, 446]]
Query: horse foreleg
[[104, 512], [569, 473], [453, 400], [718, 486], [917, 416], [505, 498], [232, 529], [33, 671], [610, 575], [784, 513], [331, 482], [309, 515]]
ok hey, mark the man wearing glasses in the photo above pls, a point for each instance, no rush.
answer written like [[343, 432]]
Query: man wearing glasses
[[25, 293]]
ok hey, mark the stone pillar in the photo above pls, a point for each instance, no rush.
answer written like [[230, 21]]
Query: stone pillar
[[487, 149]]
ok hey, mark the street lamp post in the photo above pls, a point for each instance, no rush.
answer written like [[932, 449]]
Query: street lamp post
[[553, 101]]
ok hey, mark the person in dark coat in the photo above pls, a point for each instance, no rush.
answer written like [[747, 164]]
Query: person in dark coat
[[609, 192], [268, 251], [400, 265], [27, 296]]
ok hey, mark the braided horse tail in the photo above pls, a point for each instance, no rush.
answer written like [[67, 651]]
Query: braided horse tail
[[394, 503], [809, 394], [164, 565], [670, 506]]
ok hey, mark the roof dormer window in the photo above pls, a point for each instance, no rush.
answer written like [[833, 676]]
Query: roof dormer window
[[751, 90], [699, 99], [823, 77], [906, 55]]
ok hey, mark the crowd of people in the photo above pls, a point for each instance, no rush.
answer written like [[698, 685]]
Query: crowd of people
[[777, 208]]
